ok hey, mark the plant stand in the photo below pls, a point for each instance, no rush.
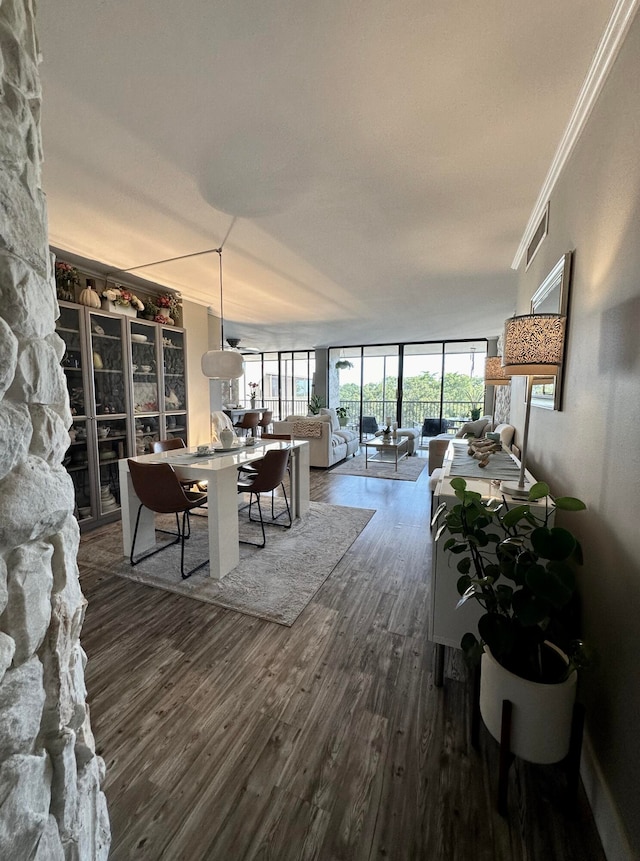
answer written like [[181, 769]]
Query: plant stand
[[571, 763]]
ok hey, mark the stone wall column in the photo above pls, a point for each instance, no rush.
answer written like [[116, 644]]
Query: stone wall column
[[51, 805]]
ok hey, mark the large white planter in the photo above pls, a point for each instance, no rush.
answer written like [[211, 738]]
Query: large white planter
[[542, 714]]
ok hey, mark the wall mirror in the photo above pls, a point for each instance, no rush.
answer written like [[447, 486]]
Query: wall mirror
[[552, 297]]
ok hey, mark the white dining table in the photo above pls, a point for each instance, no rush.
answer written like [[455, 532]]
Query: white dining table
[[220, 471]]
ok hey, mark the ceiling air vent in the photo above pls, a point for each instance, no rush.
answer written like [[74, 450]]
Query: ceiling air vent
[[538, 236]]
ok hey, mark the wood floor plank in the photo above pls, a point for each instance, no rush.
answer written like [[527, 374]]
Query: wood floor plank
[[228, 738]]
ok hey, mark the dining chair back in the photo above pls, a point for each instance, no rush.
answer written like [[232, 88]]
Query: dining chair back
[[168, 444], [158, 488], [268, 476], [248, 422], [265, 420]]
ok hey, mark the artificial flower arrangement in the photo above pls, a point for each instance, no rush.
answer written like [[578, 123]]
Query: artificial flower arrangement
[[253, 387], [67, 275], [125, 298], [168, 304]]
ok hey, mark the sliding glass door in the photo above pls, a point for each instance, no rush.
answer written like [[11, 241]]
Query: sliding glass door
[[431, 386]]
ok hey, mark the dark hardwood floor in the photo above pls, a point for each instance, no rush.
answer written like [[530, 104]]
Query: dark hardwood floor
[[228, 738]]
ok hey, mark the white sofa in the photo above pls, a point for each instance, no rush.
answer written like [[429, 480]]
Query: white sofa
[[328, 442]]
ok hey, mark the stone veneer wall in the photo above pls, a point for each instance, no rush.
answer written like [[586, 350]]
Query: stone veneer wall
[[51, 806]]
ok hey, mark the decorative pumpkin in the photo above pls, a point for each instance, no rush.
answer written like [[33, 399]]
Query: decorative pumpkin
[[89, 296]]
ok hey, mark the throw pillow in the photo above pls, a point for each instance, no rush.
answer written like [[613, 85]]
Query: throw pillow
[[335, 421]]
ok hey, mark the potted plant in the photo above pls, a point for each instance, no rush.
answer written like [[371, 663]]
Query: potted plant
[[521, 572], [475, 414], [343, 416], [316, 403]]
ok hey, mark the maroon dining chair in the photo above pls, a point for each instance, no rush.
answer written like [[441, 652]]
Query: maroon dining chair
[[248, 422], [265, 420], [158, 488], [267, 478]]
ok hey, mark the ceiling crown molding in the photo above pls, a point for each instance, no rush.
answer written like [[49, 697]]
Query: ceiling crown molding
[[601, 65]]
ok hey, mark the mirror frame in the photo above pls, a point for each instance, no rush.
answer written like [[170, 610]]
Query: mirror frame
[[552, 296]]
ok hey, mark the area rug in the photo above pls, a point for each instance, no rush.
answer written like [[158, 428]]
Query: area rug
[[409, 468], [274, 583]]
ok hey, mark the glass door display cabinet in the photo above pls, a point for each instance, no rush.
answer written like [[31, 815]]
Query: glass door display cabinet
[[110, 404], [93, 364], [127, 389], [70, 327], [145, 385], [175, 384]]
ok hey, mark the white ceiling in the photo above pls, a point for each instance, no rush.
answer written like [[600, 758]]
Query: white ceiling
[[376, 162]]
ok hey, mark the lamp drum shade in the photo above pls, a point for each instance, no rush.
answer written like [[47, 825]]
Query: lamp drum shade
[[222, 365], [533, 344], [494, 373]]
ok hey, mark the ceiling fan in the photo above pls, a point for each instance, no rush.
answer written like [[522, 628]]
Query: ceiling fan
[[234, 344]]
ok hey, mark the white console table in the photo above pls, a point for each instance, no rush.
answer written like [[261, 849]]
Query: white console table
[[448, 623]]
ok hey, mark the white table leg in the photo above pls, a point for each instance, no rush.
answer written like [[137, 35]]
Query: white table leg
[[222, 502], [300, 481]]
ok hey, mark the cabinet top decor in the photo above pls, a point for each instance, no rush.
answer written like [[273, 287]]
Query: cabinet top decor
[[123, 297]]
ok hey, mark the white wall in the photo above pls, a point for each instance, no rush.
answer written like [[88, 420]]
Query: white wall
[[195, 319], [590, 449]]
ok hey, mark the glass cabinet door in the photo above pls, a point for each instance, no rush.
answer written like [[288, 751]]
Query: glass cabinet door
[[147, 431], [68, 327], [76, 459], [107, 353], [112, 445], [107, 350], [175, 396], [144, 367], [76, 462]]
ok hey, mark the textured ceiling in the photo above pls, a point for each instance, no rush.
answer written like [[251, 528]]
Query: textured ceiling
[[373, 165]]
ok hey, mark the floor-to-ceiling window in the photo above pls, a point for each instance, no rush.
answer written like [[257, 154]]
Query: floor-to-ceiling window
[[441, 382], [282, 382]]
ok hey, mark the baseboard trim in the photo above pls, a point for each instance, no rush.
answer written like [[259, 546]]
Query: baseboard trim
[[612, 834]]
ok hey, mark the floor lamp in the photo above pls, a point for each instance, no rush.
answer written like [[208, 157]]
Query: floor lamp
[[495, 375], [533, 347]]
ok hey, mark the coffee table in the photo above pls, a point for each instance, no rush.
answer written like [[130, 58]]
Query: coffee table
[[390, 451]]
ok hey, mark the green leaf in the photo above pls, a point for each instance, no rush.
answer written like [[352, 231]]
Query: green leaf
[[529, 609], [464, 565], [472, 649], [458, 483], [438, 512], [458, 548], [539, 490], [555, 583], [448, 544], [497, 632], [470, 592], [512, 517], [463, 584], [439, 532], [569, 503], [555, 543], [504, 595]]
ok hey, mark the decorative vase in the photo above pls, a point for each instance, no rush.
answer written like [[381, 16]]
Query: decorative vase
[[542, 713], [89, 297], [253, 402], [226, 437], [386, 437]]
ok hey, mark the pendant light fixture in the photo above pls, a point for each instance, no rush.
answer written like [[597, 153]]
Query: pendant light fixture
[[222, 364]]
